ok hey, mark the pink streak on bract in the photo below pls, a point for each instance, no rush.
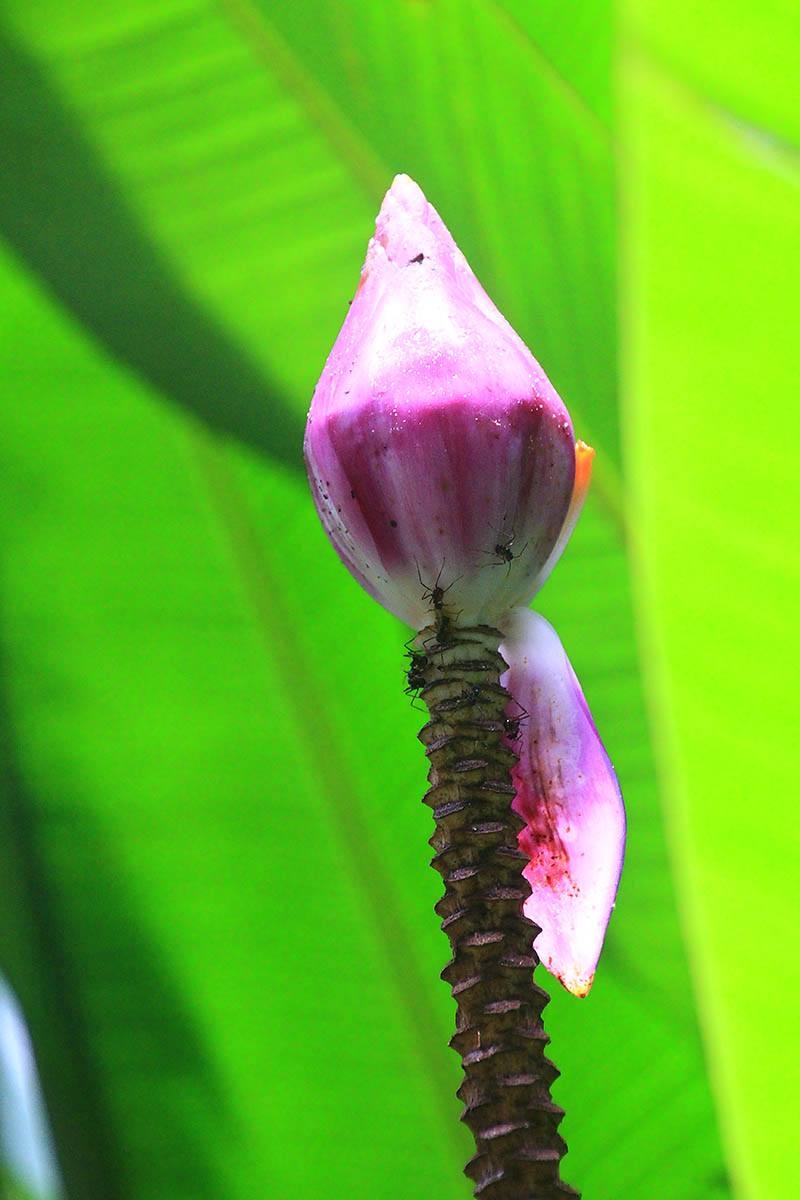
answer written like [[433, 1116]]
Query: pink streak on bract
[[568, 794], [434, 436]]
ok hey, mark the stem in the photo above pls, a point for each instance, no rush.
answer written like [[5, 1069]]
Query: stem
[[499, 1032]]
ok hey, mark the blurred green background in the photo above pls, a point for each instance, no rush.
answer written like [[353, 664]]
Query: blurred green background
[[215, 909]]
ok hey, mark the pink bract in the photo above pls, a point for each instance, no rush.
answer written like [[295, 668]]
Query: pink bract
[[439, 453], [568, 794]]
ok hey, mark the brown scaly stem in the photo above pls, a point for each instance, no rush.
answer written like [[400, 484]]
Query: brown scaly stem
[[499, 1032]]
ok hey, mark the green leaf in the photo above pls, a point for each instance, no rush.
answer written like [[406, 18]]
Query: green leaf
[[713, 243], [68, 219], [221, 915]]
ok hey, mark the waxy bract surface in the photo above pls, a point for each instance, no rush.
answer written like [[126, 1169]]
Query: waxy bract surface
[[568, 793], [439, 453]]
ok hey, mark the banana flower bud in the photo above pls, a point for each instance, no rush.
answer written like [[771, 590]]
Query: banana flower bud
[[444, 469], [439, 454]]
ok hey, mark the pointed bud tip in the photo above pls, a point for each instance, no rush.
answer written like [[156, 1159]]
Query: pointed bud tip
[[436, 446], [408, 230], [406, 194]]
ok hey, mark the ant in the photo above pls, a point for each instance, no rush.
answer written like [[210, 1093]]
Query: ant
[[444, 628], [443, 622], [511, 725], [504, 552], [435, 594], [415, 677], [442, 635], [416, 673]]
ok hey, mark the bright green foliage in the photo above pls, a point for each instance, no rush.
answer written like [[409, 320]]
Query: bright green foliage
[[713, 360], [217, 910]]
